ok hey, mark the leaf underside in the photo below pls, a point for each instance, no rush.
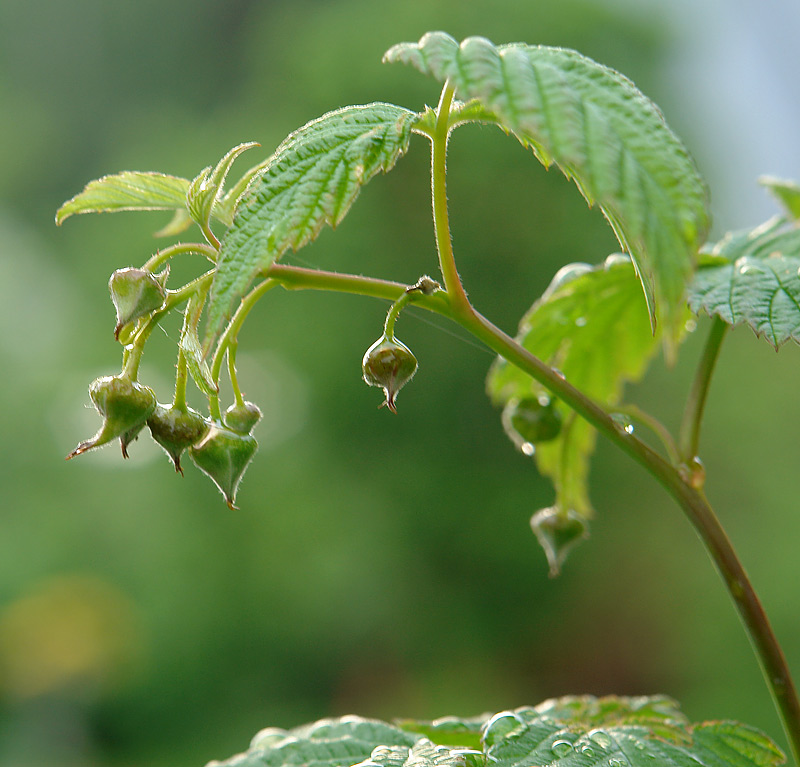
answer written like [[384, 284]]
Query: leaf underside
[[600, 131], [312, 180], [752, 277], [568, 732], [592, 325]]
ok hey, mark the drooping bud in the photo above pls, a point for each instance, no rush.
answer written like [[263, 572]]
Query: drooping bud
[[531, 420], [136, 293], [125, 406], [176, 430], [224, 455], [389, 365], [242, 418], [558, 532]]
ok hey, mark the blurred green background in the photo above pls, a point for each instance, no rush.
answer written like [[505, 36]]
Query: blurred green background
[[378, 565]]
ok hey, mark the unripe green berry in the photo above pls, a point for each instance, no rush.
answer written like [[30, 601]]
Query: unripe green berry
[[136, 293], [125, 406], [389, 365], [242, 418], [531, 420], [558, 532], [176, 429], [224, 455]]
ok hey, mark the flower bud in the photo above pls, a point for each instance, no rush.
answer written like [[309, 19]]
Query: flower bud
[[136, 293], [176, 429], [224, 455], [390, 365], [125, 406], [242, 418]]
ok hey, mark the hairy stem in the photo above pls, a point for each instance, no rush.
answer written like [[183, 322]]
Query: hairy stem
[[162, 256], [444, 245], [689, 436]]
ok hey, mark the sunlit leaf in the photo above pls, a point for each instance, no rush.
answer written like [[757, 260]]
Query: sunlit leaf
[[312, 180], [752, 277], [129, 190], [204, 191], [592, 325], [599, 130]]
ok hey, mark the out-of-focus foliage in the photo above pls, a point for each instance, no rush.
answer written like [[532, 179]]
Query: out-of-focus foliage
[[374, 566]]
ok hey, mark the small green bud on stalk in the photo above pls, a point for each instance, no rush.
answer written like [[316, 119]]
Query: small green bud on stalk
[[242, 418], [136, 293], [389, 365], [125, 406], [176, 430], [224, 456]]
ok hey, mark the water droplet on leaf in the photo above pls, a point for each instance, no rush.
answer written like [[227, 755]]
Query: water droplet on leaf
[[558, 532], [561, 748]]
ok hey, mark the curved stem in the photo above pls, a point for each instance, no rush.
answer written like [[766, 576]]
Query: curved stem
[[179, 400], [441, 221], [695, 506], [237, 392], [689, 435], [162, 256]]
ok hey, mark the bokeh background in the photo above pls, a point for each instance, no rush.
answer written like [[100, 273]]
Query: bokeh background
[[378, 565]]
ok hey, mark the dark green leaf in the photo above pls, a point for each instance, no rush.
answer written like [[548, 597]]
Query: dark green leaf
[[600, 131], [592, 325], [128, 190], [520, 738], [328, 743], [786, 192], [312, 179], [752, 277]]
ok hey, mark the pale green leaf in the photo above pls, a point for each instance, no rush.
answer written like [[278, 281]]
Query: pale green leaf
[[786, 192], [328, 743], [312, 180], [752, 278], [190, 345], [205, 189], [449, 730], [423, 753], [592, 325], [129, 190], [600, 131]]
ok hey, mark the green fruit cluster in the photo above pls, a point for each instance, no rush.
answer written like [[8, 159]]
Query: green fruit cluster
[[221, 451]]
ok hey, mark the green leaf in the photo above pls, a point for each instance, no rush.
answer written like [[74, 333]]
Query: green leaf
[[449, 730], [328, 743], [568, 732], [786, 192], [600, 131], [592, 325], [526, 737], [312, 179], [204, 190], [752, 277], [129, 190], [189, 344]]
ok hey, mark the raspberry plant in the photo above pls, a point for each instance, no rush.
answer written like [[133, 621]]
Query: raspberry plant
[[559, 382]]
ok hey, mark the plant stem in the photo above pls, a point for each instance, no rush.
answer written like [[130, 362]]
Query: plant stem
[[441, 221], [695, 506], [689, 435], [162, 256], [179, 400]]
